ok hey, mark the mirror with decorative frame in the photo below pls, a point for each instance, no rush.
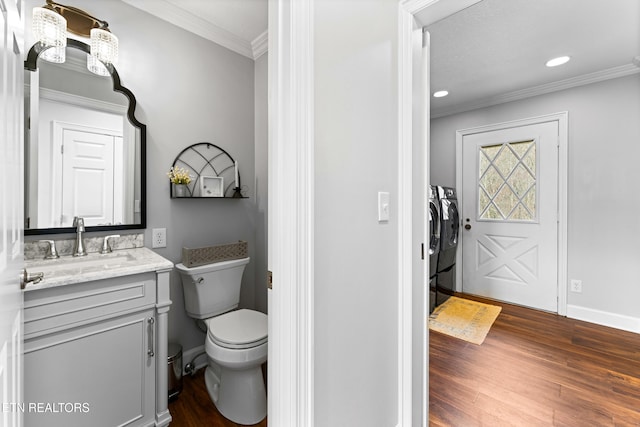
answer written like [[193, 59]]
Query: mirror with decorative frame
[[85, 152]]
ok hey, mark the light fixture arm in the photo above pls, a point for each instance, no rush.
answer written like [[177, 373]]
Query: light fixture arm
[[79, 22]]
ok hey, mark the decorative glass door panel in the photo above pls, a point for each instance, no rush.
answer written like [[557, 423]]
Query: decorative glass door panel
[[507, 181]]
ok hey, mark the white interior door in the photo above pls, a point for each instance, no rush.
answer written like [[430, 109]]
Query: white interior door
[[510, 215], [88, 176], [11, 210]]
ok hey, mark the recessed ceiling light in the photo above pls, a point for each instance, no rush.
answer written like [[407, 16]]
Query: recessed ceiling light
[[440, 94], [557, 61]]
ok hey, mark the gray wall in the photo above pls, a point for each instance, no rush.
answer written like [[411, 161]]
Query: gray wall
[[188, 90], [603, 178], [355, 258]]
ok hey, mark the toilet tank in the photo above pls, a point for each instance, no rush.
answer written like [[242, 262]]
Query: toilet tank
[[212, 289]]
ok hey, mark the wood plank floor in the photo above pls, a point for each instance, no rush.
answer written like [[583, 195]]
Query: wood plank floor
[[536, 369], [194, 408]]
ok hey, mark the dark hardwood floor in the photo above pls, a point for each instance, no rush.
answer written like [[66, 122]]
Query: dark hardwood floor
[[536, 369], [194, 408], [533, 369]]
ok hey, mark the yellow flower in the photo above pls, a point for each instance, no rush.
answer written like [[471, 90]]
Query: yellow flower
[[179, 175]]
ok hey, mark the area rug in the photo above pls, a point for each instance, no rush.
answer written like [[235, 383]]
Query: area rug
[[464, 319]]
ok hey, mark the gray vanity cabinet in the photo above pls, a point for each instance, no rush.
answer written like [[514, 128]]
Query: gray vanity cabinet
[[95, 353]]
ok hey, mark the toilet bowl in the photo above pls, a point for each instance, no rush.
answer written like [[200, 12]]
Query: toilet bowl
[[236, 342]]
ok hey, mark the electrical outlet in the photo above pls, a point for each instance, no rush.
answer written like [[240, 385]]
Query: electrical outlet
[[576, 285], [159, 238]]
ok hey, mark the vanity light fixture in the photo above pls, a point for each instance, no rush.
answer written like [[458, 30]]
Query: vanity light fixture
[[440, 94], [558, 61], [96, 67], [104, 45], [50, 29]]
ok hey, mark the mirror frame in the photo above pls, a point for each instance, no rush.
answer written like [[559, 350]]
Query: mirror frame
[[31, 64]]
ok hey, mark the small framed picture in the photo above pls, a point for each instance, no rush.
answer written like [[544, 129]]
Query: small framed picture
[[211, 186]]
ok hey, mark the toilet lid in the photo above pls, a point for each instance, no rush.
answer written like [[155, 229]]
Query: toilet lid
[[238, 329]]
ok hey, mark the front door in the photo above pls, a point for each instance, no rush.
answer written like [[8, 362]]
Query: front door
[[509, 215], [11, 210]]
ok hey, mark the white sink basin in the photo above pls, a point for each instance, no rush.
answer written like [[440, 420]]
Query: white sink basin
[[91, 263], [68, 270], [88, 263]]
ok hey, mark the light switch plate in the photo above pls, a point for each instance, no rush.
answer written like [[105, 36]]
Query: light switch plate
[[383, 206]]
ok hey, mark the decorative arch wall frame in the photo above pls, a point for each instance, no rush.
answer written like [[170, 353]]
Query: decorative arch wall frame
[[204, 161]]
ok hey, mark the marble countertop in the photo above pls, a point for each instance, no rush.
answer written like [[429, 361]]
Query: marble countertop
[[68, 270]]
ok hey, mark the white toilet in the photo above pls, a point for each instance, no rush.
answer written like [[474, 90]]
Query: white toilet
[[236, 343]]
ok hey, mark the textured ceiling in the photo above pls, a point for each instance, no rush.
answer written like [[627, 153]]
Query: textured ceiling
[[495, 50]]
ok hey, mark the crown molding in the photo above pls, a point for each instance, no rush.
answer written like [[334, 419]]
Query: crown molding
[[415, 6], [82, 101], [79, 65], [586, 79], [426, 12], [260, 45], [194, 24]]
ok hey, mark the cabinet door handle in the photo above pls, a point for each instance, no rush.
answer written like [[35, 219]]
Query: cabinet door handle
[[26, 278], [150, 329]]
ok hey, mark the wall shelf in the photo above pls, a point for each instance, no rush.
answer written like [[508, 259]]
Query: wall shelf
[[208, 164]]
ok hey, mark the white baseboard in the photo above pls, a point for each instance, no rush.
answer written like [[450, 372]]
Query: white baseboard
[[604, 318], [187, 355]]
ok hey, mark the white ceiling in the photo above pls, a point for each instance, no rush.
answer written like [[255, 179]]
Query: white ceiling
[[495, 51], [492, 52]]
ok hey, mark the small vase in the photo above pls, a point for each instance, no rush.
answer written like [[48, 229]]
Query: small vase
[[179, 190]]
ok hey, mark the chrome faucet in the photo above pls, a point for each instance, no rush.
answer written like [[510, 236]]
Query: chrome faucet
[[78, 249], [105, 243], [53, 252]]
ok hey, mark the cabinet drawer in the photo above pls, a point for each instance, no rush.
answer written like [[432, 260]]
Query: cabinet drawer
[[49, 310]]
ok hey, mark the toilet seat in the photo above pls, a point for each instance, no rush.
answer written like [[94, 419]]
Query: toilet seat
[[239, 329]]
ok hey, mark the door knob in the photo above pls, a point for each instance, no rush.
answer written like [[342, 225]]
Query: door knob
[[467, 227]]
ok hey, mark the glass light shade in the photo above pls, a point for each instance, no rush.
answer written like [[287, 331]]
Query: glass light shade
[[55, 54], [50, 29], [104, 46], [96, 66]]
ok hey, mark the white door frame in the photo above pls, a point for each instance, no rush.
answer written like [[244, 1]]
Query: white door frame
[[563, 162], [291, 210], [414, 14], [291, 213]]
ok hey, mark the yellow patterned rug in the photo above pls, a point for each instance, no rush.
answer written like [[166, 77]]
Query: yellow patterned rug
[[464, 319]]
